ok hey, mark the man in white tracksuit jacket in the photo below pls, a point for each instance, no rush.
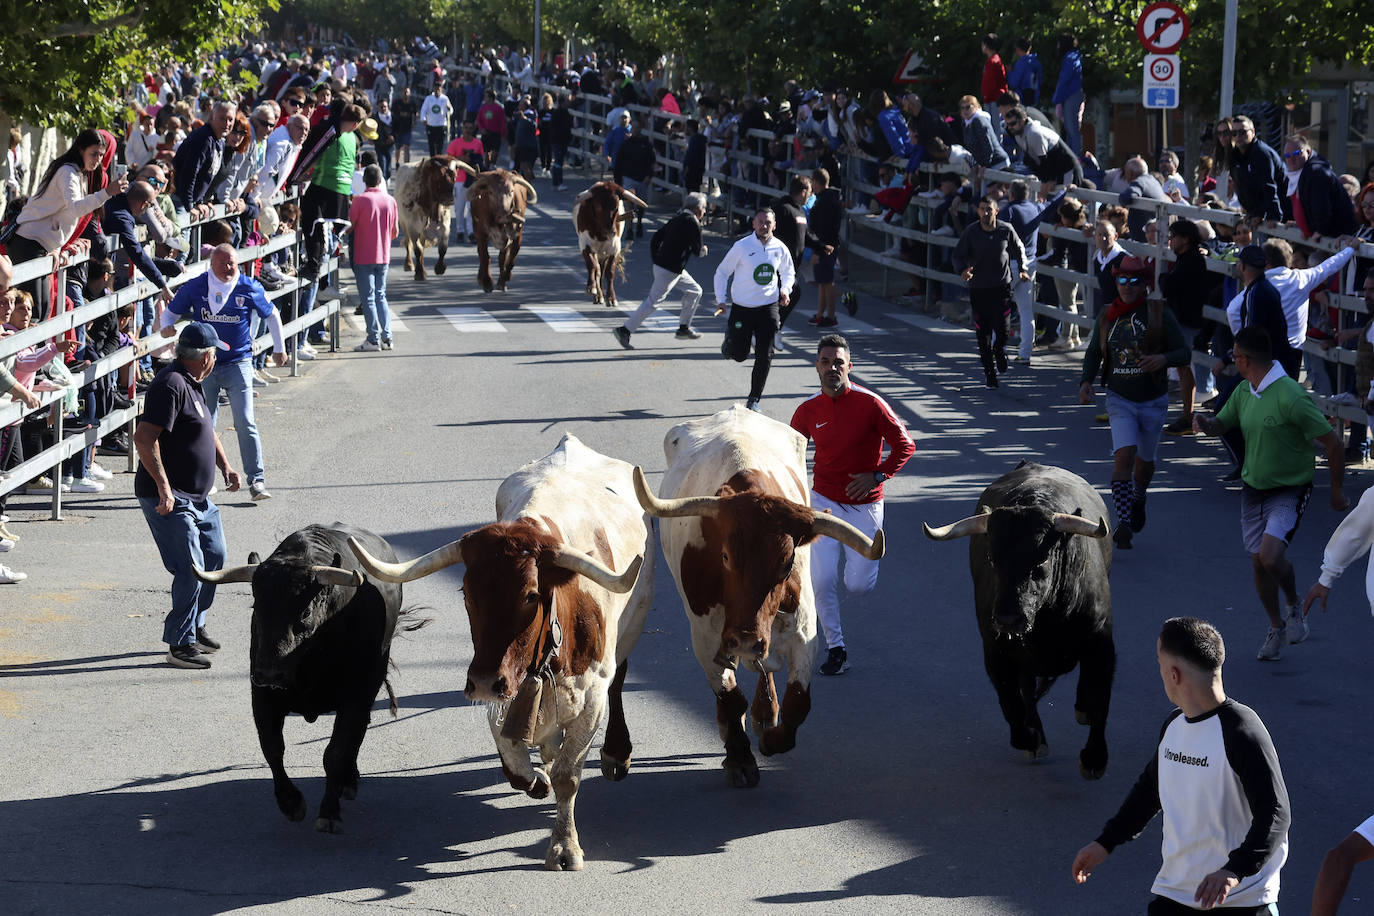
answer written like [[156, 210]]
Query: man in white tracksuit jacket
[[758, 272]]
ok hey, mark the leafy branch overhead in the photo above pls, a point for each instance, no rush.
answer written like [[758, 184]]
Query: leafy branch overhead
[[71, 61]]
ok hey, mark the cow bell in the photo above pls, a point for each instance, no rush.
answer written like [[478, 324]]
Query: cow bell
[[523, 712]]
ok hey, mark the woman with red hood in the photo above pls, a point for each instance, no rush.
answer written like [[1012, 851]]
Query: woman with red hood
[[74, 187]]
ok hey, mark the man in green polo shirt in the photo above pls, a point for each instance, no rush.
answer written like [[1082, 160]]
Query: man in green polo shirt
[[1279, 421]]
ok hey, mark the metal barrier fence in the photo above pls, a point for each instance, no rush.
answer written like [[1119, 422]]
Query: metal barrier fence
[[738, 171], [64, 447]]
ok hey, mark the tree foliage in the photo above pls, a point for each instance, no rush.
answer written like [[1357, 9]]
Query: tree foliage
[[761, 43]]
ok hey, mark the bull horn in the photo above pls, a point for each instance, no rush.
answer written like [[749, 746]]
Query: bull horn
[[467, 167], [672, 508], [534, 195], [626, 195], [1077, 524], [584, 565], [974, 524], [829, 526], [418, 568], [582, 196], [333, 575], [225, 576]]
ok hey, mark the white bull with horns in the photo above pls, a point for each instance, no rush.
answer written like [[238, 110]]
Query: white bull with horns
[[552, 623]]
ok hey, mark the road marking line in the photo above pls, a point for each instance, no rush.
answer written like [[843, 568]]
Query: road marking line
[[564, 319], [471, 320], [358, 323]]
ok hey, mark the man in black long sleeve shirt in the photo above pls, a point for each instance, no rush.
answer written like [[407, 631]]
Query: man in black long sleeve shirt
[[792, 232], [1216, 777], [121, 221], [823, 235]]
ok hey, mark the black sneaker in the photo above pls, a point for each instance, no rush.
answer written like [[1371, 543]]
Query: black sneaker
[[991, 378], [1138, 515], [753, 404], [205, 641], [187, 657], [687, 332], [837, 662], [623, 336]]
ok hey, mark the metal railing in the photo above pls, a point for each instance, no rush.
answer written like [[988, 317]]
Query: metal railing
[[64, 447]]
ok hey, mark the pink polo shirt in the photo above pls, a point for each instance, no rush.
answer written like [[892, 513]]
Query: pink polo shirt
[[373, 215]]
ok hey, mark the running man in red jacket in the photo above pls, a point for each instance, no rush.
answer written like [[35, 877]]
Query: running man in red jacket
[[849, 425]]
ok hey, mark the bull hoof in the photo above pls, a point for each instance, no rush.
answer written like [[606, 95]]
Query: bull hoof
[[325, 825], [1092, 766], [419, 275], [564, 858], [292, 804], [440, 268], [500, 287], [741, 774], [541, 785], [486, 285], [613, 769], [1036, 753], [776, 740], [1080, 716]]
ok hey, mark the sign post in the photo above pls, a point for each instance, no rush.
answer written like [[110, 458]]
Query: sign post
[[1161, 28]]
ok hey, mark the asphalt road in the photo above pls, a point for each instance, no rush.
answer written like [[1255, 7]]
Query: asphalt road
[[132, 787]]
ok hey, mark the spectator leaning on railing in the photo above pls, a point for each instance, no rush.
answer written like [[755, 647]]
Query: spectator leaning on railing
[[70, 190], [1317, 201], [1257, 171], [198, 160]]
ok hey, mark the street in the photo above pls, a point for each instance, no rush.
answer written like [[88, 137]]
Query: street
[[133, 787]]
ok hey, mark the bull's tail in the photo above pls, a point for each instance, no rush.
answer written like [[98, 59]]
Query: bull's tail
[[1042, 686], [407, 621]]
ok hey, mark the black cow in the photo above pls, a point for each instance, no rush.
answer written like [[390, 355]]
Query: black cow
[[1040, 569], [321, 642]]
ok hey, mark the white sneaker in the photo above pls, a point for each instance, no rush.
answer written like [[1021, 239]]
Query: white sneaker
[[96, 472], [387, 345], [258, 490], [1295, 626], [305, 354], [308, 348], [258, 380], [9, 576], [6, 545], [1273, 645], [367, 346], [86, 485]]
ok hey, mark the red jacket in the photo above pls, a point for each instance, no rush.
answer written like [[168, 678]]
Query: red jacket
[[994, 79], [849, 432]]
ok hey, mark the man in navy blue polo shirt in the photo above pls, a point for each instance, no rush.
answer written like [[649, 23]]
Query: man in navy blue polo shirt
[[178, 453], [227, 300]]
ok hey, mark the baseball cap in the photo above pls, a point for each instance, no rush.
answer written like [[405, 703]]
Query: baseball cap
[[1252, 255], [200, 336]]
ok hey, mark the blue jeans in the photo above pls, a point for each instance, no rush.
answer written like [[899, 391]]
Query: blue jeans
[[1073, 122], [236, 379], [191, 534], [560, 153], [372, 291]]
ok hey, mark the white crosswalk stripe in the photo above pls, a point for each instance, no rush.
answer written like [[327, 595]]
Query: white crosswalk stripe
[[471, 320], [564, 319], [359, 324]]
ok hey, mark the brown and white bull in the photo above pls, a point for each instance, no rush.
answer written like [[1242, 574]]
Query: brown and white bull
[[738, 522], [599, 213], [424, 206], [552, 624], [498, 199]]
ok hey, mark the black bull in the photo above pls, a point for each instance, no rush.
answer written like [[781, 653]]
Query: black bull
[[321, 643], [1040, 557]]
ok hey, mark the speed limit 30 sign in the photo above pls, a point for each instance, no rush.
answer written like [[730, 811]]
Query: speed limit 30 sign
[[1161, 81]]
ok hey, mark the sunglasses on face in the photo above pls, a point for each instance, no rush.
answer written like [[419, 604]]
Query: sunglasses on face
[[155, 182], [1129, 281], [1293, 155]]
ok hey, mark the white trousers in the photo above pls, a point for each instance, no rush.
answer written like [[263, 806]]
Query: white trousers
[[860, 573], [664, 281], [461, 213]]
